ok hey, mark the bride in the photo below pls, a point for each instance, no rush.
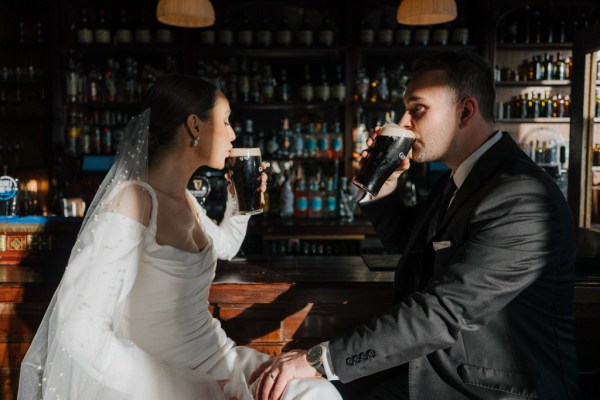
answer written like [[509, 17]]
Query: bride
[[130, 318]]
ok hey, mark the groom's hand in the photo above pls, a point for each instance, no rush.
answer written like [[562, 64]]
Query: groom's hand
[[273, 375]]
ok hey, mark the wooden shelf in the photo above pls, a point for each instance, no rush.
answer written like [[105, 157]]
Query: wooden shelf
[[393, 50], [99, 51], [534, 46], [275, 52], [553, 82]]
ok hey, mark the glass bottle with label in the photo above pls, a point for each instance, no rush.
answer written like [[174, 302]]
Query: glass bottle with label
[[85, 35], [301, 199], [338, 89], [244, 35], [225, 34], [322, 91], [268, 86], [366, 34], [336, 144], [385, 35], [315, 200], [305, 32], [283, 88], [102, 32], [439, 36], [244, 83], [264, 35], [283, 36], [421, 36], [143, 35], [362, 86], [460, 33], [327, 31], [123, 34], [323, 142], [403, 35], [307, 89]]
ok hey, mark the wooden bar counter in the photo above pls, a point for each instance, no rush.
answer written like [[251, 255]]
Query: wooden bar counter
[[278, 303]]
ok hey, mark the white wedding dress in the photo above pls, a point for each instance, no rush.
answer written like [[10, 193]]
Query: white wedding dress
[[136, 325]]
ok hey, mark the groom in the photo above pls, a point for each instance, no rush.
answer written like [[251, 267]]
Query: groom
[[484, 288]]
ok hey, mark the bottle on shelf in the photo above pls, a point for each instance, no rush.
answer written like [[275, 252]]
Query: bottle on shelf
[[286, 139], [298, 145], [225, 34], [307, 89], [244, 83], [304, 37], [315, 200], [283, 36], [326, 36], [323, 141], [460, 33], [264, 35], [559, 67], [403, 35], [336, 143], [596, 155], [322, 90], [287, 200], [330, 200], [102, 30], [361, 86], [245, 33], [385, 34], [123, 34], [301, 200], [164, 34], [421, 36], [85, 35], [248, 134], [143, 34], [338, 90], [548, 67], [208, 36], [283, 88], [366, 33], [255, 83], [268, 86], [439, 35], [310, 142]]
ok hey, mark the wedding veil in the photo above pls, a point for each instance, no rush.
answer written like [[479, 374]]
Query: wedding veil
[[80, 350]]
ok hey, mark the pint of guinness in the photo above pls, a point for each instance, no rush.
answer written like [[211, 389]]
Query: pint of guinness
[[245, 170], [390, 147]]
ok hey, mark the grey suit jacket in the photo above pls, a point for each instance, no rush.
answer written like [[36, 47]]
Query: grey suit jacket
[[487, 313]]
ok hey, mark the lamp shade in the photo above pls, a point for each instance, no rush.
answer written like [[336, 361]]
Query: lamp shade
[[426, 12], [186, 13]]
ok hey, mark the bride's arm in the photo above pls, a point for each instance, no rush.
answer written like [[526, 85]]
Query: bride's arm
[[228, 236]]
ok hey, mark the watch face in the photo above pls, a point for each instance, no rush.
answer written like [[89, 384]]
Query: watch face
[[314, 354]]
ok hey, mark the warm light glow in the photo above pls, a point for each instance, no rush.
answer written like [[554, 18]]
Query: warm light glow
[[186, 13], [32, 186], [426, 12]]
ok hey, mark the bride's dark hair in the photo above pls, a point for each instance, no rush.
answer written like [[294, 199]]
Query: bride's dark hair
[[171, 99]]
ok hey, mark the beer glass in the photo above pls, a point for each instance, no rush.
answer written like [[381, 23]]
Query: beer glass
[[245, 170], [390, 147]]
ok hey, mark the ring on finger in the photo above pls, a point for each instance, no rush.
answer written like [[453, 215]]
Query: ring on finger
[[271, 375]]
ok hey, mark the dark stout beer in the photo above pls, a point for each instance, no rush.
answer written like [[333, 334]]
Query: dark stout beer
[[244, 168], [391, 146]]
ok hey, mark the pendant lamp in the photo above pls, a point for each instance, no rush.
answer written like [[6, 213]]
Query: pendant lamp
[[186, 13], [426, 12]]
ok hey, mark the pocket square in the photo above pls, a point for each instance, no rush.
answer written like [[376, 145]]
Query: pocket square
[[442, 245]]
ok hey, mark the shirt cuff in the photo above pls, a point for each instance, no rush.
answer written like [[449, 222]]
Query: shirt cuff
[[328, 363]]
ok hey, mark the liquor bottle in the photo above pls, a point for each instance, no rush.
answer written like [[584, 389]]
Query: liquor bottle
[[331, 205], [307, 89], [548, 67], [267, 91], [344, 200], [536, 31], [523, 105], [323, 142], [225, 34], [72, 81], [559, 67], [385, 34], [322, 90], [272, 147], [123, 35], [208, 36], [512, 32], [315, 200], [102, 32], [460, 34], [85, 35], [304, 37], [439, 36], [285, 134], [338, 90], [403, 35], [568, 67], [310, 142], [546, 105], [567, 99], [283, 36], [255, 83], [366, 33], [382, 88], [142, 32], [336, 143], [283, 88], [327, 31], [535, 69], [421, 36], [597, 103], [298, 145], [286, 209], [362, 87], [244, 83], [264, 35], [164, 34], [260, 141], [244, 35], [301, 199]]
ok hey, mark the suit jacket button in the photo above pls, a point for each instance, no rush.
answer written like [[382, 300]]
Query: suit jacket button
[[371, 353], [356, 359], [349, 361], [363, 356]]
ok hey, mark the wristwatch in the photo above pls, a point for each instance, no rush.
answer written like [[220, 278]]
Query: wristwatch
[[315, 358]]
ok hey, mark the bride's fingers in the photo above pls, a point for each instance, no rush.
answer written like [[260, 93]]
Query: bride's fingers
[[259, 370]]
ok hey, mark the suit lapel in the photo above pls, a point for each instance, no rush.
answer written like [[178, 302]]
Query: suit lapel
[[484, 168]]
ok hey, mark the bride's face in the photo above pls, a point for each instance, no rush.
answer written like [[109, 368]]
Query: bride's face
[[220, 134]]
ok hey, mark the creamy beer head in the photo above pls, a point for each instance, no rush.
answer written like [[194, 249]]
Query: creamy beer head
[[391, 129], [239, 151], [389, 148]]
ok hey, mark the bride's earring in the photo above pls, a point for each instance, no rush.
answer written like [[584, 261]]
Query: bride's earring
[[195, 141]]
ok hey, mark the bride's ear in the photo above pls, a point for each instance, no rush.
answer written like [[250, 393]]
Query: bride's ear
[[193, 125]]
